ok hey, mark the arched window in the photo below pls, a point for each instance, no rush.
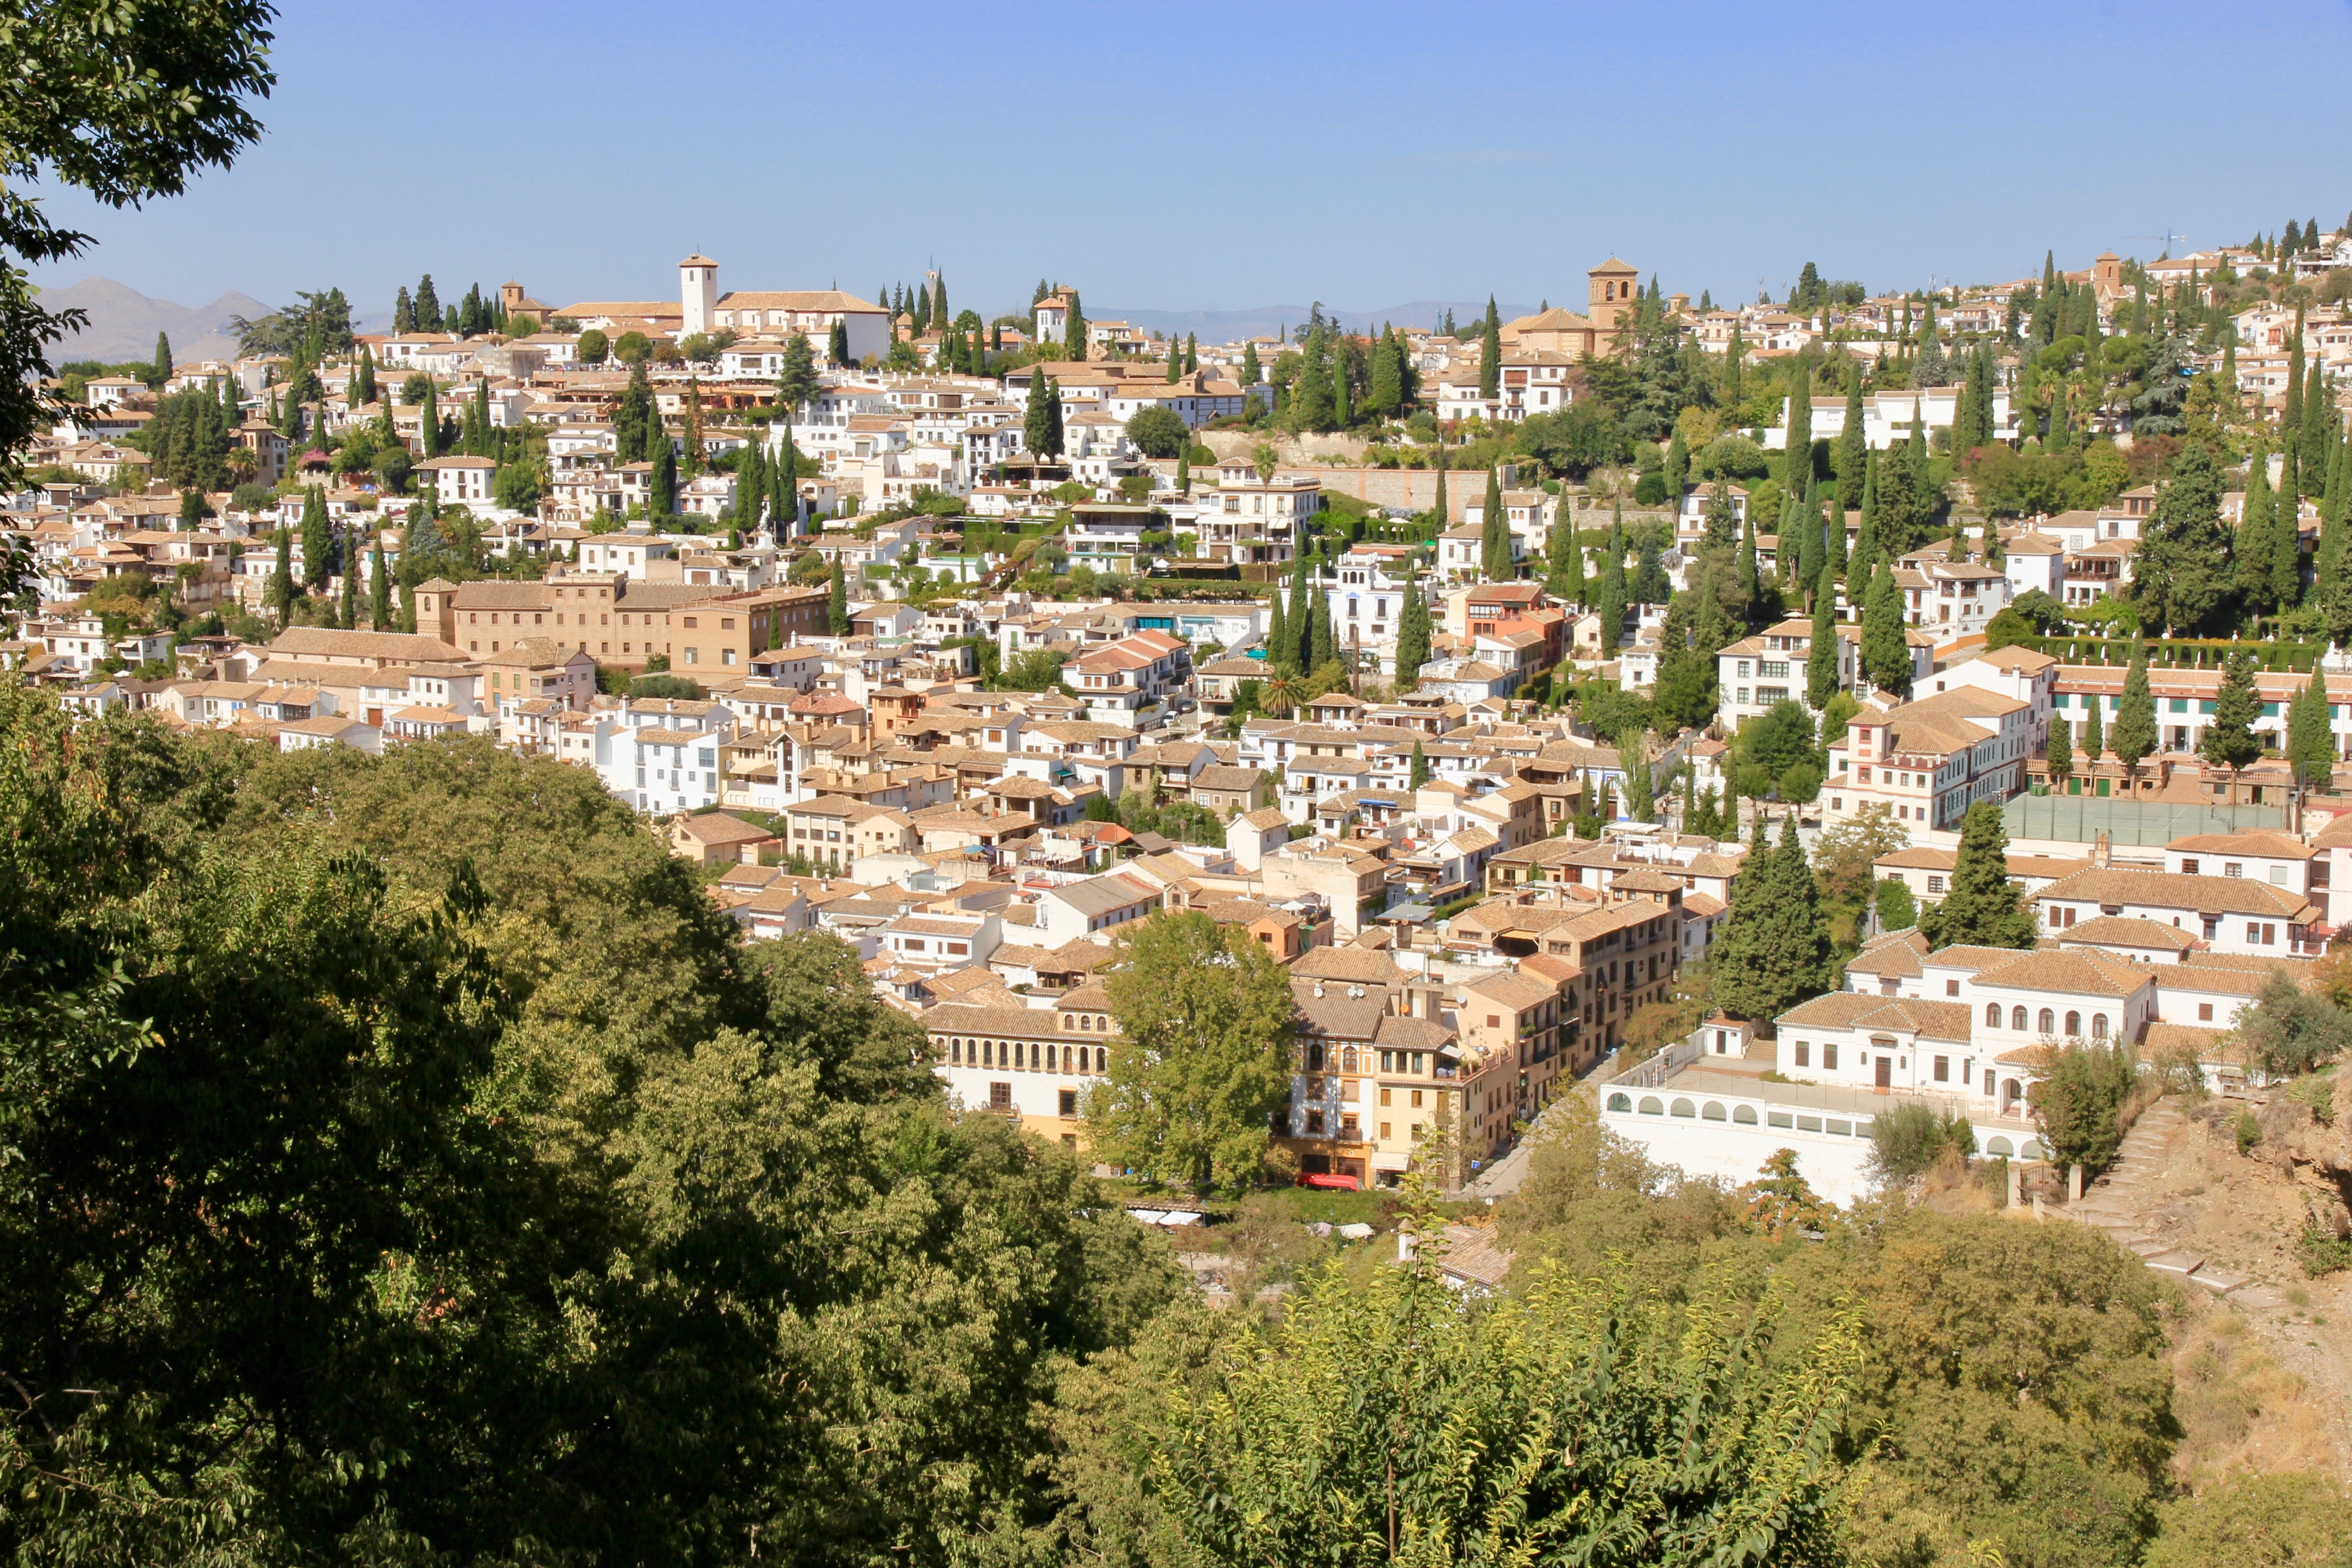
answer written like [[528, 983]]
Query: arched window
[[1650, 1106], [1684, 1108], [1348, 1059], [1102, 1059], [2017, 1019], [1065, 1059], [2073, 1025], [2049, 1021], [955, 1051], [1711, 1112], [1745, 1114], [2098, 1025], [1619, 1102], [1069, 1020], [987, 1057], [1999, 1147], [1992, 1014]]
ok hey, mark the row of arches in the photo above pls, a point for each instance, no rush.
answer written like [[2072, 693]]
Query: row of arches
[[1997, 1146], [2048, 1022], [1035, 1057]]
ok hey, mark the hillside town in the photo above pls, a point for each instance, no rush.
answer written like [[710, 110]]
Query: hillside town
[[1413, 653], [810, 904]]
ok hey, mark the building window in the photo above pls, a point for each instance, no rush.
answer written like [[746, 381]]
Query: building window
[[1804, 1052], [1935, 884], [2017, 1019], [1829, 1056], [2073, 1025], [1000, 1097], [2204, 1012], [1069, 1102], [1943, 1070], [1992, 1014]]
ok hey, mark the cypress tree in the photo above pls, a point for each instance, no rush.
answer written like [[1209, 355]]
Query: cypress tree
[[1495, 531], [404, 312], [280, 592], [661, 496], [1490, 353], [1641, 800], [1886, 651], [2254, 548], [2286, 552], [429, 422], [1735, 370], [1298, 654], [1253, 373], [1386, 394], [429, 316], [1035, 422], [1800, 554], [1822, 658], [1175, 359], [1184, 468], [1339, 416], [1751, 590], [750, 488], [2061, 750], [1322, 643], [366, 378], [1277, 634], [1420, 773], [1853, 452], [2310, 739], [2094, 734], [1073, 338], [837, 601], [1441, 506], [1677, 468], [1191, 352], [1563, 566], [317, 549], [836, 343], [1983, 909], [2134, 733], [1610, 603], [350, 616], [2319, 425], [784, 486], [1412, 633], [1797, 460], [1055, 440]]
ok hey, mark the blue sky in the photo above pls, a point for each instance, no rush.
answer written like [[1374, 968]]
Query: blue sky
[[1219, 157]]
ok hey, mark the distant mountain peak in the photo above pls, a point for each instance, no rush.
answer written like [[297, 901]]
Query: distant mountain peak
[[124, 323]]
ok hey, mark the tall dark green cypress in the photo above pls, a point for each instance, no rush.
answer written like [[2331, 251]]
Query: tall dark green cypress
[[1853, 449], [1495, 533], [1490, 353]]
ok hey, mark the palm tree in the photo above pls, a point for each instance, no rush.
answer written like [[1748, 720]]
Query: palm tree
[[1280, 692]]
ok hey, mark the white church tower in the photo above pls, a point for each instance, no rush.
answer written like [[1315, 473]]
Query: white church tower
[[697, 293]]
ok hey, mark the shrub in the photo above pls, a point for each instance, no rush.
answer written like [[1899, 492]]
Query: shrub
[[2249, 1131], [1908, 1141]]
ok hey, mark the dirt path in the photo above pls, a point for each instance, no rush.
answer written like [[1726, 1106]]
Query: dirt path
[[2193, 1208]]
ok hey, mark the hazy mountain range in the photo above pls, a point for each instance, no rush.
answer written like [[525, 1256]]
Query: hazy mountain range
[[123, 322], [1222, 326]]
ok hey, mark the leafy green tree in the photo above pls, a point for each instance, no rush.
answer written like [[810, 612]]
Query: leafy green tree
[[2230, 742], [99, 122], [1983, 909], [1159, 432], [1898, 909], [2135, 732], [1202, 1056], [836, 602], [1775, 949], [1576, 1416], [2081, 1086], [2263, 1521]]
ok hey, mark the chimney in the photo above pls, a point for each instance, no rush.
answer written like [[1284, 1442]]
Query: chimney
[[2102, 850]]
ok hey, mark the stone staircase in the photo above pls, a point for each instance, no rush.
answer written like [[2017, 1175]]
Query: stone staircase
[[2112, 1204]]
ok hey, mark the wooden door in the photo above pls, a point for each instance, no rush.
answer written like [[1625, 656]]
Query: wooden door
[[1885, 1071]]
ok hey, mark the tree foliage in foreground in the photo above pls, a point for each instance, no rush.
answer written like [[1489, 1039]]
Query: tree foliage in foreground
[[1391, 1420], [406, 1161]]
